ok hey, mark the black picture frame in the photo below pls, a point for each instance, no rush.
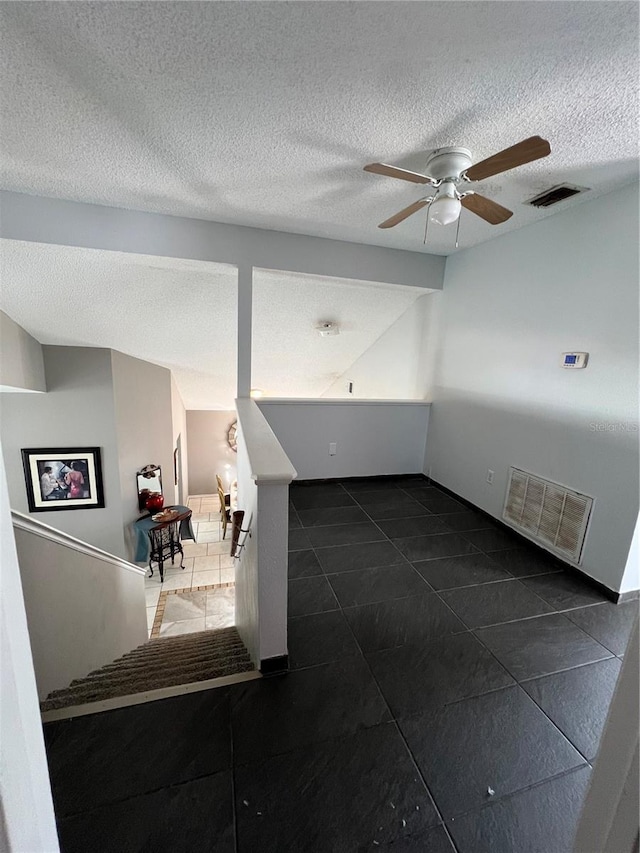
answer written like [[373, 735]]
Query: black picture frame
[[63, 478]]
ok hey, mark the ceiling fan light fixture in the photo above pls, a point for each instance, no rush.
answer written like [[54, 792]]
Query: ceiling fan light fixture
[[446, 207], [446, 168]]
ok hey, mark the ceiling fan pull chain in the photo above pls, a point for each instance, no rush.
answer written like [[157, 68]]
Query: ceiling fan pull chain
[[426, 226], [458, 230]]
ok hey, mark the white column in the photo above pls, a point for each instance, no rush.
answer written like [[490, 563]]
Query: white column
[[245, 311]]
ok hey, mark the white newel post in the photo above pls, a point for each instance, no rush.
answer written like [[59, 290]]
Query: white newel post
[[264, 474], [273, 535]]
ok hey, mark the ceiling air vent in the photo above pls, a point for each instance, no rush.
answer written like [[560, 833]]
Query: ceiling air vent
[[548, 513], [556, 194]]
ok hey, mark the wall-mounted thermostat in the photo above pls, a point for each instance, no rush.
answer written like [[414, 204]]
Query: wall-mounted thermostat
[[575, 359]]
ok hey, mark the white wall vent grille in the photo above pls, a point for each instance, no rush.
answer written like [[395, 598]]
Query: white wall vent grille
[[553, 515]]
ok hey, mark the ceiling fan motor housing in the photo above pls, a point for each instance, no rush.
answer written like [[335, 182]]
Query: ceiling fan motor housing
[[447, 163]]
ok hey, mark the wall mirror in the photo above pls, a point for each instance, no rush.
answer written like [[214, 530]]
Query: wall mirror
[[149, 479]]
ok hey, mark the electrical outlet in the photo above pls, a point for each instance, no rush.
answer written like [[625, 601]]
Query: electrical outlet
[[490, 476], [333, 448]]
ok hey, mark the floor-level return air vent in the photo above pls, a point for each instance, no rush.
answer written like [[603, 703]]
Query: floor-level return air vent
[[555, 195], [553, 515]]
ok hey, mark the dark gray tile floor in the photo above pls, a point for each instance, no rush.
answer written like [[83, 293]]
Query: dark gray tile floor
[[433, 656], [610, 624], [577, 701], [368, 586]]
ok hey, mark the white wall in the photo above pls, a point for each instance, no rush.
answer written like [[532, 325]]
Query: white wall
[[21, 363], [631, 577], [273, 538], [430, 347], [209, 451], [264, 474], [372, 437], [76, 411], [246, 566], [179, 424], [82, 611], [510, 308], [96, 397], [144, 430], [25, 792], [395, 367], [609, 819]]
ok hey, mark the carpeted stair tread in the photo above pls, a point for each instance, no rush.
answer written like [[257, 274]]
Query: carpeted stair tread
[[142, 683], [164, 662], [158, 647], [83, 696], [151, 656], [160, 667], [190, 639], [162, 651]]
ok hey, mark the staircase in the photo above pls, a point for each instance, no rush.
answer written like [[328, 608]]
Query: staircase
[[165, 662]]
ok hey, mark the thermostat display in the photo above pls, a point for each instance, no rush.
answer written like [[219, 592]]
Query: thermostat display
[[575, 359]]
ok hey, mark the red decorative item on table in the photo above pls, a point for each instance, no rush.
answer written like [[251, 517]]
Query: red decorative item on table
[[155, 502]]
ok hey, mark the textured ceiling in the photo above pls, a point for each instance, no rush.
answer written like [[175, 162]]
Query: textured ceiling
[[290, 359], [265, 113], [182, 314], [177, 313]]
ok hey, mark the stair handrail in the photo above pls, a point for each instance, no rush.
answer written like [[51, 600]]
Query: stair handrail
[[45, 531]]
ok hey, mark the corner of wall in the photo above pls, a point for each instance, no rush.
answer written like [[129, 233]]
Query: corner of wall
[[21, 359]]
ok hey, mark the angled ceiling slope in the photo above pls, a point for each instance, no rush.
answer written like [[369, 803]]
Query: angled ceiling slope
[[182, 314], [178, 313], [290, 358]]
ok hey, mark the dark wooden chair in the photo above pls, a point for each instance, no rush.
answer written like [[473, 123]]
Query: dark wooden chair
[[165, 544]]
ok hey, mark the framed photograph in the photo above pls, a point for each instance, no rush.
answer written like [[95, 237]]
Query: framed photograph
[[63, 478]]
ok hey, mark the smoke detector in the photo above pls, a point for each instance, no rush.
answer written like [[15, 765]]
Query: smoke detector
[[327, 329]]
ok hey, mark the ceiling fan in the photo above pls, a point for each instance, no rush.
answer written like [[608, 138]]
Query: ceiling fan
[[447, 169]]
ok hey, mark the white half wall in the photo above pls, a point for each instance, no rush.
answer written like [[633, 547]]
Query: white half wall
[[247, 583], [371, 437], [609, 818], [21, 363], [511, 307], [264, 474], [84, 609], [397, 365], [25, 792], [209, 451], [631, 578]]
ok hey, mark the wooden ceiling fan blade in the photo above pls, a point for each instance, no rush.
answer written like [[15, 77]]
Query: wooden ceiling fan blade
[[486, 209], [404, 214], [526, 151], [395, 172]]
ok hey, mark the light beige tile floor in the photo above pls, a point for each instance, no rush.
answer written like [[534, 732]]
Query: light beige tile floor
[[206, 562], [197, 610]]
